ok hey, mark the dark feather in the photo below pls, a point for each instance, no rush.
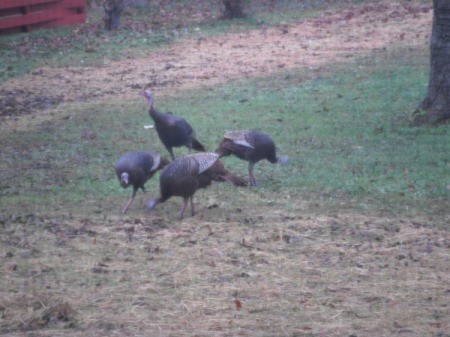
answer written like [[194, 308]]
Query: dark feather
[[249, 145], [173, 130], [136, 168], [185, 175]]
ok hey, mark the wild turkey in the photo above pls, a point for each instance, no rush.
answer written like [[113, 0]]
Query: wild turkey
[[248, 145], [136, 168], [185, 175], [173, 130]]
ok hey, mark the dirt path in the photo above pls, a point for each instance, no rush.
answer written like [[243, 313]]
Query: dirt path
[[334, 36]]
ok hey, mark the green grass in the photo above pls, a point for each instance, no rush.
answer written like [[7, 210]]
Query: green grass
[[65, 46], [144, 28], [344, 127]]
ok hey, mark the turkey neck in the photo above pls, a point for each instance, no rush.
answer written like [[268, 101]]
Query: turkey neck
[[156, 115]]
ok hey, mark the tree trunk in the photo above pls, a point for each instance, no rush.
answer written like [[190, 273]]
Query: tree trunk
[[436, 106], [232, 9], [113, 11]]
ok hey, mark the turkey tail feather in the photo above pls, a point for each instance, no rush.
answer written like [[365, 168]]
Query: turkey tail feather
[[235, 180], [196, 145]]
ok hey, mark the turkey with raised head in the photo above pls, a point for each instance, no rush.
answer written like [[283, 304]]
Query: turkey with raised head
[[185, 175], [248, 145], [173, 130], [136, 168]]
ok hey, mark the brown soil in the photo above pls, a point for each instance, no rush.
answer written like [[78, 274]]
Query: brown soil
[[334, 36]]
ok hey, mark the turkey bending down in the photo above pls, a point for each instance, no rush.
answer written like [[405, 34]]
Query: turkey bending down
[[173, 130], [136, 168], [185, 175], [251, 146]]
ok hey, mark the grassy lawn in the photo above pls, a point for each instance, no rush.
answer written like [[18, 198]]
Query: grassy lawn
[[349, 239], [351, 146]]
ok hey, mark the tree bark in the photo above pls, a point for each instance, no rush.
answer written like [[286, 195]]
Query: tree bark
[[232, 9], [436, 105], [113, 11]]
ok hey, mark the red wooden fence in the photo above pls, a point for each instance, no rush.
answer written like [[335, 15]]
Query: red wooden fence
[[25, 15]]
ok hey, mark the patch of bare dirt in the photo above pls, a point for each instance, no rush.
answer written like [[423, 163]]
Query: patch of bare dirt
[[257, 274], [333, 37]]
